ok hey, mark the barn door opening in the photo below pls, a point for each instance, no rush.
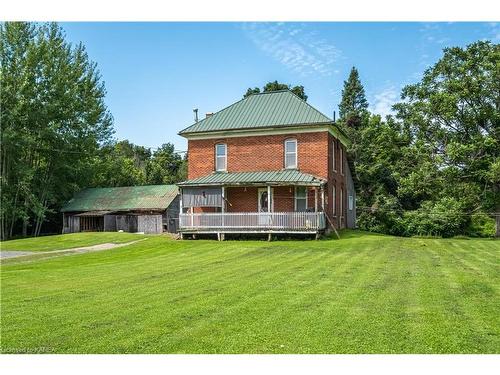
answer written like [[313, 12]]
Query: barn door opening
[[91, 223]]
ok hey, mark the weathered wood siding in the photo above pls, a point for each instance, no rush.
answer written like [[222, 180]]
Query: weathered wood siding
[[126, 223], [71, 223], [110, 223], [150, 223], [171, 216]]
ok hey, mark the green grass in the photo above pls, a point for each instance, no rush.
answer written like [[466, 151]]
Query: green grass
[[362, 294], [67, 241]]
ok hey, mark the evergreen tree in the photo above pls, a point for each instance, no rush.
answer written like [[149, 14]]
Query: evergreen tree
[[354, 102]]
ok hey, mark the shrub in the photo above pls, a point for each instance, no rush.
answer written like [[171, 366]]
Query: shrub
[[445, 218], [384, 216], [481, 225]]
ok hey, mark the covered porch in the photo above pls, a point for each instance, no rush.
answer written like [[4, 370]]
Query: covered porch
[[285, 201]]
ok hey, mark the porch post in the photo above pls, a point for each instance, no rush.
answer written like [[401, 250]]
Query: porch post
[[268, 198], [223, 208], [223, 194], [315, 199], [181, 210], [180, 203], [322, 198]]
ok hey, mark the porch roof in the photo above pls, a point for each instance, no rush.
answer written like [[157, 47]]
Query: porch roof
[[281, 177]]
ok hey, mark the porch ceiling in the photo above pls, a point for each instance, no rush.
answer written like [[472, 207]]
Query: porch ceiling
[[281, 177]]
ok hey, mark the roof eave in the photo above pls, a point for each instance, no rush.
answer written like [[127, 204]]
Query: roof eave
[[237, 184], [182, 133]]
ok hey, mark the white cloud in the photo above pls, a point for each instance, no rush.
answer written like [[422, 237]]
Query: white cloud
[[495, 32], [299, 50], [384, 100]]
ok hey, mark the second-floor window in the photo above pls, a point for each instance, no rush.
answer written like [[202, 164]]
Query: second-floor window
[[220, 157], [291, 153]]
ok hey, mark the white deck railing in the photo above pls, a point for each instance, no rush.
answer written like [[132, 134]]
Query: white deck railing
[[253, 221]]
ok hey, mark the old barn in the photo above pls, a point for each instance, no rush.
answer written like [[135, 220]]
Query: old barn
[[146, 209]]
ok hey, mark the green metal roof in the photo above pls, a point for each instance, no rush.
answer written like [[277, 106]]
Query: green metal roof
[[287, 176], [269, 109], [153, 197]]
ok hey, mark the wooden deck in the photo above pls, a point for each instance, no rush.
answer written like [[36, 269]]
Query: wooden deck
[[252, 222]]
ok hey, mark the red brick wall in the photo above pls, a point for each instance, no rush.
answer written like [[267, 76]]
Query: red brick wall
[[284, 199], [260, 153], [335, 178], [240, 200]]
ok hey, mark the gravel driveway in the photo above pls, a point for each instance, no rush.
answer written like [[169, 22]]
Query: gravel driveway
[[71, 251], [13, 254]]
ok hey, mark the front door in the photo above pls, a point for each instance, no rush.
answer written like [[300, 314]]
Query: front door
[[264, 220], [263, 200]]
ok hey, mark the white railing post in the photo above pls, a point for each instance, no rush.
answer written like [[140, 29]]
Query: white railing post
[[223, 195]]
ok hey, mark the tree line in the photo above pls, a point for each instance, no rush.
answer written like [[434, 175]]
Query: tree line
[[433, 167], [57, 133]]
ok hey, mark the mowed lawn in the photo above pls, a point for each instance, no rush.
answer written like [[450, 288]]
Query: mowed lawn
[[364, 293]]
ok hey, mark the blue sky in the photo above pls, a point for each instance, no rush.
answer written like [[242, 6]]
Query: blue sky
[[156, 73]]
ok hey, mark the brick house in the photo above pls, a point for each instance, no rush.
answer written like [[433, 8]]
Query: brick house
[[270, 163]]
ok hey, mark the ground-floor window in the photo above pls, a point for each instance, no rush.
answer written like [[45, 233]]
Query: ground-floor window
[[300, 198], [341, 202], [334, 200], [351, 202]]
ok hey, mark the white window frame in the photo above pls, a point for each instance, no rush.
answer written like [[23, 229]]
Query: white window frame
[[261, 190], [334, 198], [334, 161], [341, 160], [217, 169], [296, 197], [351, 202], [292, 140], [341, 202]]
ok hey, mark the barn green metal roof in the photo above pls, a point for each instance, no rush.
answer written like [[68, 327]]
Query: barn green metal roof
[[282, 177], [269, 109], [152, 197]]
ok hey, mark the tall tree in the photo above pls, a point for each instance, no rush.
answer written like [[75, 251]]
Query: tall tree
[[276, 86], [435, 168], [353, 102], [251, 91], [453, 114], [166, 166], [121, 164], [53, 120]]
